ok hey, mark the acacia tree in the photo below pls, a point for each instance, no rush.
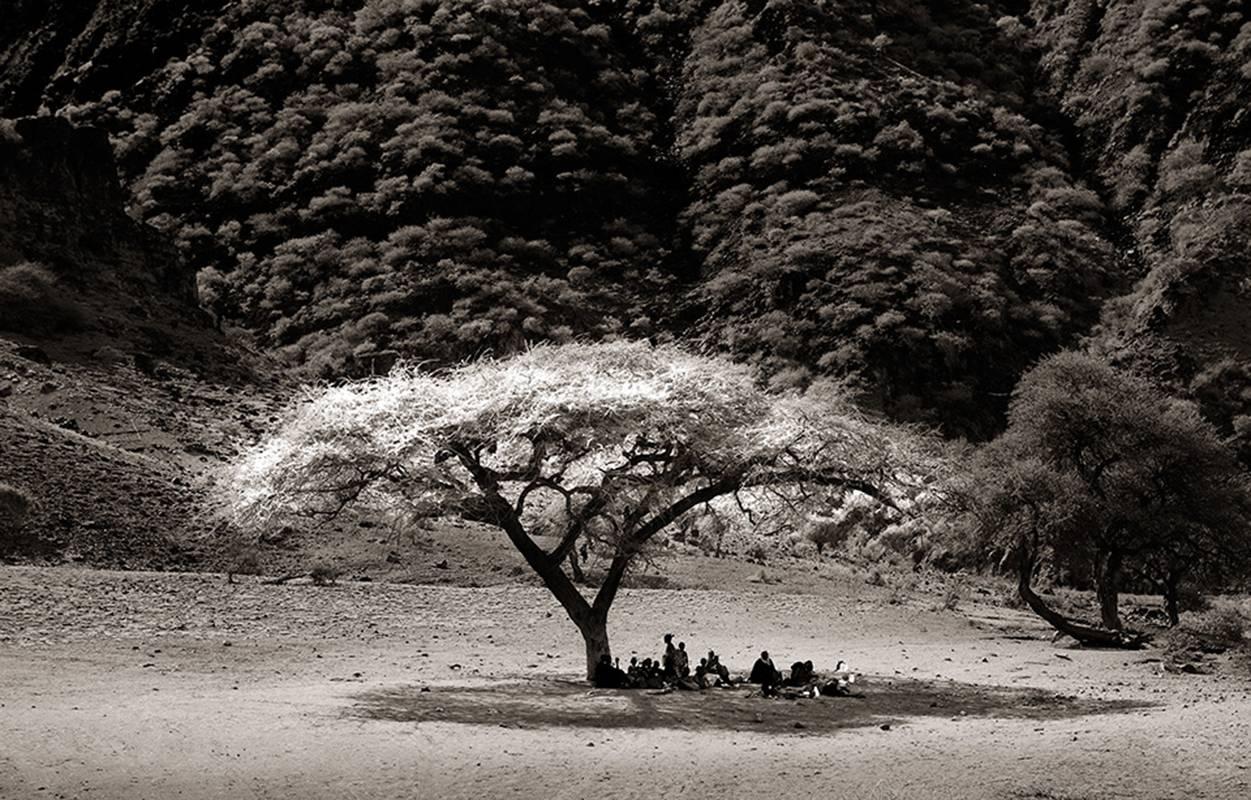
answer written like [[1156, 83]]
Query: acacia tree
[[1100, 465], [602, 443]]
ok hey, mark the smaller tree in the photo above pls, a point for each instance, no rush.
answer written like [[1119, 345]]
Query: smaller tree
[[1099, 466]]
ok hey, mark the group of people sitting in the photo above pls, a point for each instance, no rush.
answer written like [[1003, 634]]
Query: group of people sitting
[[803, 678], [673, 671]]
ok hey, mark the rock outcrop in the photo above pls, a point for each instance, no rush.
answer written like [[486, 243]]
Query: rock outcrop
[[61, 205]]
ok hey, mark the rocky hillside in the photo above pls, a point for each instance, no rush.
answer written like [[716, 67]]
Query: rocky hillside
[[116, 393], [1156, 92], [61, 206], [884, 192], [920, 198]]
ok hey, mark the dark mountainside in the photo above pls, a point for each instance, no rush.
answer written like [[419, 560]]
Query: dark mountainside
[[1157, 94], [113, 382], [922, 198]]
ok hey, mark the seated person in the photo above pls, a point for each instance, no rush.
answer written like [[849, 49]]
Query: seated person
[[653, 676], [608, 676], [802, 674], [681, 662], [764, 673], [701, 673], [796, 676], [840, 683], [715, 667], [634, 672]]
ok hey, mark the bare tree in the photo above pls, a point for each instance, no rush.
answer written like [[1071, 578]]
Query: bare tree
[[609, 444]]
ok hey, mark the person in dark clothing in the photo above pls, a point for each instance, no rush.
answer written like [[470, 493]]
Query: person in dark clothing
[[797, 672], [715, 667], [668, 663], [802, 674], [634, 673], [764, 673], [607, 676], [681, 662]]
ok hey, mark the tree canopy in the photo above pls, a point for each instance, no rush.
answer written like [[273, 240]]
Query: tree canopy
[[608, 443], [1099, 468]]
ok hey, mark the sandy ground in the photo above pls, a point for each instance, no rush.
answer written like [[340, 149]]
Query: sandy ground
[[150, 685]]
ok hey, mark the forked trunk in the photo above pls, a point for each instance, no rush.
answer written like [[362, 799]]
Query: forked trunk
[[1108, 590]]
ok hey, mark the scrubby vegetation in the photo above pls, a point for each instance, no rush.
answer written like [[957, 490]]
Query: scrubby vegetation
[[32, 301], [873, 191], [15, 505]]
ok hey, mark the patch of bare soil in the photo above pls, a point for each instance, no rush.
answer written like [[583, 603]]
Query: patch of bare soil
[[155, 685]]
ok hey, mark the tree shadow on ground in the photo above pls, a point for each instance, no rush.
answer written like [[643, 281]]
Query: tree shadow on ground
[[540, 704]]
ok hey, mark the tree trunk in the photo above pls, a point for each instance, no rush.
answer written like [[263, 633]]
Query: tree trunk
[[575, 568], [594, 627], [1107, 589], [1172, 603], [1085, 634]]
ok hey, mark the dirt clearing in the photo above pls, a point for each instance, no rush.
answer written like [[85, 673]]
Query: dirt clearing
[[133, 685]]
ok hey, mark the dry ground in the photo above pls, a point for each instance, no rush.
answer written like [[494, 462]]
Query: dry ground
[[133, 685]]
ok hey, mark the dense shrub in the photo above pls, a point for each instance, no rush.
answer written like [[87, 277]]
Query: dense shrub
[[1220, 626], [15, 506], [32, 301], [1213, 631], [324, 575]]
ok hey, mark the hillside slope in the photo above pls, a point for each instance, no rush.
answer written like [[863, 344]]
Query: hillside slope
[[921, 198], [116, 392], [1157, 91], [874, 191]]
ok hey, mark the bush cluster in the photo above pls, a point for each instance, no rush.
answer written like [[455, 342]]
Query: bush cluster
[[850, 189], [32, 301]]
